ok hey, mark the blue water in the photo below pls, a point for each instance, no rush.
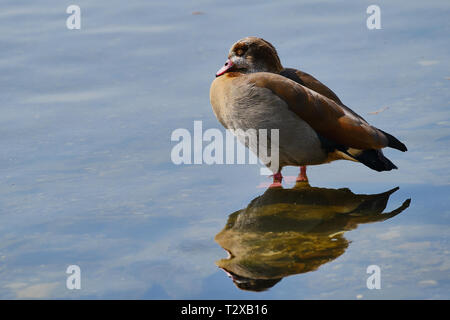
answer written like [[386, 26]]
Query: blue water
[[86, 176]]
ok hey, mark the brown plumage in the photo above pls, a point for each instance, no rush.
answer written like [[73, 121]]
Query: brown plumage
[[253, 90]]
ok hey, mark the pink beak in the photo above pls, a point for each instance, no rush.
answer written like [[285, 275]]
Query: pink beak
[[228, 65]]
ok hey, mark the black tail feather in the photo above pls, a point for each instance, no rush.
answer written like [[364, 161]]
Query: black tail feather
[[375, 160], [393, 142]]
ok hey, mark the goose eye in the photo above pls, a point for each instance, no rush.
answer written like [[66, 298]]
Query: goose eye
[[239, 52]]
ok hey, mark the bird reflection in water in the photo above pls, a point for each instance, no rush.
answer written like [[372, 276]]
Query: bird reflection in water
[[290, 231]]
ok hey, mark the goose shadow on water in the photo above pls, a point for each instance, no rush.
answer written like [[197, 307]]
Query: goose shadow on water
[[290, 231]]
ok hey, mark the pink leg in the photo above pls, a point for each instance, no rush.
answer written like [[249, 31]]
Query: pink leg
[[302, 176], [277, 179]]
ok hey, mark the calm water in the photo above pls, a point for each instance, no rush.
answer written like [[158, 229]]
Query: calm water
[[86, 177]]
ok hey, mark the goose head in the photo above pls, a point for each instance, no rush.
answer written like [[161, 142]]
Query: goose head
[[251, 55]]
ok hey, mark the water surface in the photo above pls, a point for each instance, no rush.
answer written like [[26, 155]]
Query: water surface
[[86, 174]]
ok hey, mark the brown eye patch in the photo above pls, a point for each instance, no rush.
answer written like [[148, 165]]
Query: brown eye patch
[[240, 49]]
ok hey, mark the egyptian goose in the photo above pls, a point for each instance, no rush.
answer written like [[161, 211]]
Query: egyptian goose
[[254, 91]]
